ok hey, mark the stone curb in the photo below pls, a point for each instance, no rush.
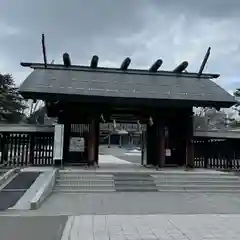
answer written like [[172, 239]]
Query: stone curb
[[44, 191], [8, 175]]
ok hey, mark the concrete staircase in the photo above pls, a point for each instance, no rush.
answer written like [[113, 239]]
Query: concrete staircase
[[77, 182], [197, 182], [160, 181], [134, 182]]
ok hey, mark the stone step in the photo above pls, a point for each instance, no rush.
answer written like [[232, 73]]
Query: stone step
[[195, 187], [131, 174], [136, 189], [83, 190], [134, 183], [190, 176], [197, 178], [74, 181], [79, 185], [136, 186], [85, 179], [195, 174], [134, 179], [84, 176], [220, 191], [196, 182]]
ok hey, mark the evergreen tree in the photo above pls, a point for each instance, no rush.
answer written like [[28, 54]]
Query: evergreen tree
[[236, 122], [237, 94], [11, 102]]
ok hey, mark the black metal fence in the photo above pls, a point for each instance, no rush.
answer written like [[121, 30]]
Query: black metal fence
[[217, 153], [26, 148]]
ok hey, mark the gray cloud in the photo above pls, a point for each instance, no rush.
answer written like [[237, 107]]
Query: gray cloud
[[206, 8], [143, 30]]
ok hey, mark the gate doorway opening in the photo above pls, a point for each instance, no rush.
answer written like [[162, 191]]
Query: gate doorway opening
[[120, 143], [76, 137]]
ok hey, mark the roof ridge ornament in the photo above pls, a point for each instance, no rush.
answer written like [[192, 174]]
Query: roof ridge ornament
[[66, 60], [204, 62], [125, 64], [94, 61], [181, 67], [156, 65], [44, 51]]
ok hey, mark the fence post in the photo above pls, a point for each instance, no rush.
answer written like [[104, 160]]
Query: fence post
[[228, 152], [58, 144], [32, 146], [206, 153], [5, 149]]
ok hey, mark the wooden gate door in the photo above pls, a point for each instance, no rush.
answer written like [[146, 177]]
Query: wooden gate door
[[176, 146]]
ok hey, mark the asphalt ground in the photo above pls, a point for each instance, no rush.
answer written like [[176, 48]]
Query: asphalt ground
[[32, 228], [14, 190]]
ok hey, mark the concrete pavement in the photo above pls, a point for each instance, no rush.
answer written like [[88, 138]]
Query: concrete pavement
[[154, 227], [121, 227], [135, 203]]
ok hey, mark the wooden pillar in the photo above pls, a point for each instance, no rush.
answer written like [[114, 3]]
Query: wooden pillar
[[93, 141], [156, 143], [160, 146], [109, 140], [97, 137], [143, 148], [189, 141], [150, 147]]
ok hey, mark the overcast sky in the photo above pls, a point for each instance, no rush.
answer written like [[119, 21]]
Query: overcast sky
[[143, 30]]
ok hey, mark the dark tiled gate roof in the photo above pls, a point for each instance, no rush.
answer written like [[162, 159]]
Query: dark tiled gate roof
[[131, 84]]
